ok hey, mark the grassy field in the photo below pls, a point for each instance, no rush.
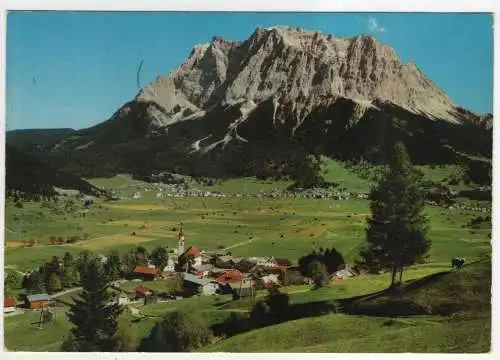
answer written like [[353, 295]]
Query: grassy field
[[255, 227], [464, 294], [282, 228], [343, 333], [329, 333]]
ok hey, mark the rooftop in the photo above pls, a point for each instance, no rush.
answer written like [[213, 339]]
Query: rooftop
[[192, 251], [142, 289], [38, 297], [195, 279], [9, 302], [145, 270]]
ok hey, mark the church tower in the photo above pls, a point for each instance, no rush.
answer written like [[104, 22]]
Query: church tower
[[181, 240]]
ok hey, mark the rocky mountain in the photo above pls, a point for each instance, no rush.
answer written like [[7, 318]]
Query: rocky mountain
[[238, 107]]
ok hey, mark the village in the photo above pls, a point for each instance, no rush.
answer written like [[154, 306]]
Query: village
[[197, 273], [328, 192]]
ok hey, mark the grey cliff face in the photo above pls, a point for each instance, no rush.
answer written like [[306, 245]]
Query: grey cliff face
[[298, 69]]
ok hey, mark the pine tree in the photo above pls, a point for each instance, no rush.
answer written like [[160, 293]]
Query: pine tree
[[141, 256], [84, 259], [113, 266], [159, 257], [94, 314], [129, 262], [397, 229], [68, 261]]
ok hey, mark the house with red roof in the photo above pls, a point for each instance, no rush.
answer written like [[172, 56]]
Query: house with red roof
[[193, 253], [146, 273], [9, 305], [142, 292], [230, 277]]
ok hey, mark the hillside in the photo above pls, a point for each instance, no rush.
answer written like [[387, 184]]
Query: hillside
[[34, 140], [237, 108], [31, 177], [465, 293]]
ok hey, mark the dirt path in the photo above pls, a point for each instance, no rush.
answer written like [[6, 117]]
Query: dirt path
[[61, 293], [240, 244]]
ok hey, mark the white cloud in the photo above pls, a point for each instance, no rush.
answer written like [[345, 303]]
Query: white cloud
[[374, 26]]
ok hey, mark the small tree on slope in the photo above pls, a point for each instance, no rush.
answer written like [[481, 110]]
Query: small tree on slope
[[93, 315], [397, 229]]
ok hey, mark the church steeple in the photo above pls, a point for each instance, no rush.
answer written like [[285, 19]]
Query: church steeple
[[181, 240]]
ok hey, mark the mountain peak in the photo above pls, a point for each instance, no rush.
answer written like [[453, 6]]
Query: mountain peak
[[288, 64]]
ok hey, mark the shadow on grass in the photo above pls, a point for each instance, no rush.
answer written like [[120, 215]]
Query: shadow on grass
[[388, 303]]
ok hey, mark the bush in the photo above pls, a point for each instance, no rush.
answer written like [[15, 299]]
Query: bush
[[179, 331], [318, 273], [277, 302], [259, 316]]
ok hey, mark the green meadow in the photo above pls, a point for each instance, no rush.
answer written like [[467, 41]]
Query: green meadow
[[283, 227], [254, 226]]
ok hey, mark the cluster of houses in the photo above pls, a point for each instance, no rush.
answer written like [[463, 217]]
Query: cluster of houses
[[32, 302], [203, 273], [182, 191], [207, 273]]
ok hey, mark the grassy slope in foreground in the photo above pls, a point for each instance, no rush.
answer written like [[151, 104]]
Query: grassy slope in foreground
[[467, 330]]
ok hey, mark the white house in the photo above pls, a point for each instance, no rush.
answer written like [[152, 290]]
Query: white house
[[194, 282], [266, 262]]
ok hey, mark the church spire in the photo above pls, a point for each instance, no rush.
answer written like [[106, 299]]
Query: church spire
[[181, 240]]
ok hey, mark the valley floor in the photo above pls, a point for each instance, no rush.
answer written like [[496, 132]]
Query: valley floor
[[283, 228]]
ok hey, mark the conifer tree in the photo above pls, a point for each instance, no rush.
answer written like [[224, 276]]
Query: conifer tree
[[113, 266], [159, 257], [94, 314], [397, 229], [68, 260]]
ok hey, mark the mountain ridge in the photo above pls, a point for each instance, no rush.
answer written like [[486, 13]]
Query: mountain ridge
[[282, 87]]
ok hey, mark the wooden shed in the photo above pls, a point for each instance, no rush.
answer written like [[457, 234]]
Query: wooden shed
[[38, 301]]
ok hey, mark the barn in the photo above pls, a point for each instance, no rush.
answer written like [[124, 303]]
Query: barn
[[146, 273], [38, 301], [9, 305], [142, 292]]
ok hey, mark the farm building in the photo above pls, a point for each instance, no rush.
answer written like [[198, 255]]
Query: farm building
[[195, 254], [142, 292], [38, 301], [194, 284], [224, 261], [242, 290], [229, 277], [146, 273], [9, 305]]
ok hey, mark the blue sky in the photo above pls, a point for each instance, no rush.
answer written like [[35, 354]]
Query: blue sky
[[71, 69]]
